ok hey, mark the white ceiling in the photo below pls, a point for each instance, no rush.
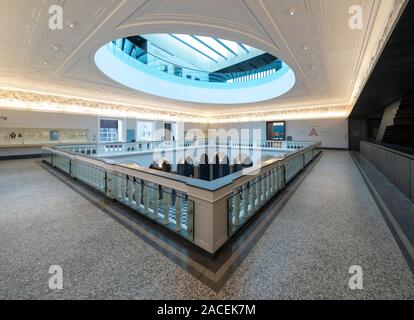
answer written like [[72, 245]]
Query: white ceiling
[[329, 73]]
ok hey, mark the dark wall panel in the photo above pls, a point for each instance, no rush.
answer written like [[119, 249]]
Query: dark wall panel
[[357, 131]]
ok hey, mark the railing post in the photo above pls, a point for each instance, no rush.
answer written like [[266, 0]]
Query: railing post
[[178, 213], [155, 197], [137, 194], [190, 218], [146, 199], [246, 200], [166, 207], [130, 190], [252, 196], [106, 183], [264, 188], [236, 209]]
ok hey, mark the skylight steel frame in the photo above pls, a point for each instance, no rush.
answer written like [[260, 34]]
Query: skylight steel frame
[[209, 47], [193, 48]]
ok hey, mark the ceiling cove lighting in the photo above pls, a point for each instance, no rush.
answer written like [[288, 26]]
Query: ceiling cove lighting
[[197, 69], [25, 100]]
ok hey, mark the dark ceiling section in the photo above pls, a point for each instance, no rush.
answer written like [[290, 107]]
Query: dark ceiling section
[[393, 75], [250, 65]]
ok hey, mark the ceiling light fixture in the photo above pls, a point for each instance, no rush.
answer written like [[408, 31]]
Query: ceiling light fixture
[[306, 48], [55, 47], [292, 12]]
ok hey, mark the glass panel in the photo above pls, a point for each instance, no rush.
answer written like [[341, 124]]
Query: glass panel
[[231, 45], [212, 43], [249, 198], [293, 167], [89, 174], [167, 207], [199, 47], [62, 163], [47, 156]]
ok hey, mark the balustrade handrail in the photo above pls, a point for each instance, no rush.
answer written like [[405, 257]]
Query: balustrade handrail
[[171, 180], [198, 142], [190, 207], [272, 163], [400, 153]]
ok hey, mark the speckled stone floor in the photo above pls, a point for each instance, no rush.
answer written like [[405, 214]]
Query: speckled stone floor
[[329, 224]]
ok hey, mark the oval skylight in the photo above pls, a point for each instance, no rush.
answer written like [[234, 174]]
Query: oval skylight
[[195, 68]]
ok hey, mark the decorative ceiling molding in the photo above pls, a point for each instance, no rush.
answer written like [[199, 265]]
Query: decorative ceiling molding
[[328, 112], [379, 39], [328, 73], [26, 100]]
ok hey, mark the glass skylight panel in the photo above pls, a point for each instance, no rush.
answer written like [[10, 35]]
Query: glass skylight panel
[[212, 43], [231, 45], [192, 42], [243, 47]]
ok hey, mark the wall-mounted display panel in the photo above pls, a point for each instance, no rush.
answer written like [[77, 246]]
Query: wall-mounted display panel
[[38, 136], [276, 131]]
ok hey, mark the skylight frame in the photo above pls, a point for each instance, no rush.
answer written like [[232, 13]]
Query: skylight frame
[[214, 45], [227, 44], [194, 44]]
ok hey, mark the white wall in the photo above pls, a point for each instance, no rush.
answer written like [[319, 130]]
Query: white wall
[[333, 133], [259, 126], [46, 120], [31, 119]]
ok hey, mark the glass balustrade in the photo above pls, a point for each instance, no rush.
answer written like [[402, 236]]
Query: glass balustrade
[[121, 147], [247, 199], [158, 197], [166, 206], [89, 174], [293, 166], [62, 163]]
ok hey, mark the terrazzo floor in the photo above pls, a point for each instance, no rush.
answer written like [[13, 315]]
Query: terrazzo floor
[[328, 225]]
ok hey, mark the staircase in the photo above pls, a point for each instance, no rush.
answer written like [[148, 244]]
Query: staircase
[[402, 132]]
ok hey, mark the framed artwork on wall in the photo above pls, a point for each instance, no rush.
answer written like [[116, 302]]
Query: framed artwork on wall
[[276, 131]]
